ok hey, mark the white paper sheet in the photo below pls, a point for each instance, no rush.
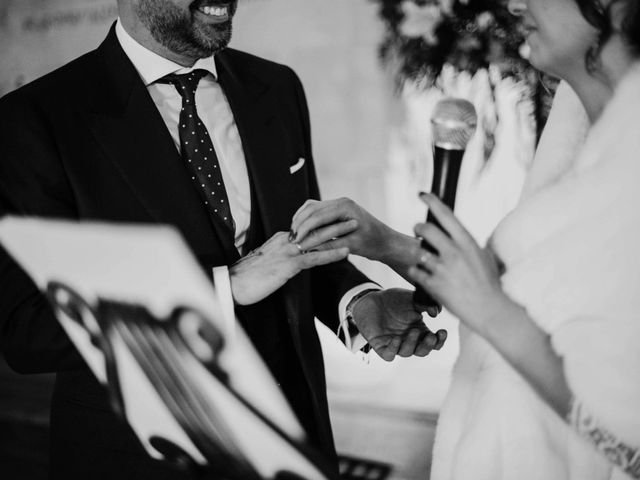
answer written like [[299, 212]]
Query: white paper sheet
[[152, 266]]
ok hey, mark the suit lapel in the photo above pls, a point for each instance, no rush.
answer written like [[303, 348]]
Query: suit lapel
[[130, 129], [255, 111]]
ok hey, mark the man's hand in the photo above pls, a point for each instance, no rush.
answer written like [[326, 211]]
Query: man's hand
[[266, 269], [392, 325]]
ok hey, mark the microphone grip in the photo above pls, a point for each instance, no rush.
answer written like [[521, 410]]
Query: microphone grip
[[446, 169]]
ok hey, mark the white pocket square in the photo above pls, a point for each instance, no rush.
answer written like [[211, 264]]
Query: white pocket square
[[294, 168]]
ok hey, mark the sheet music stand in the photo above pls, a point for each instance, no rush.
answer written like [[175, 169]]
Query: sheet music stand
[[152, 332]]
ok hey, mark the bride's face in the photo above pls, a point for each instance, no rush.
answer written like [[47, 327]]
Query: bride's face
[[558, 35]]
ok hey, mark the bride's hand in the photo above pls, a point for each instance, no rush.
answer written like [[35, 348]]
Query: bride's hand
[[365, 235], [362, 233], [461, 275]]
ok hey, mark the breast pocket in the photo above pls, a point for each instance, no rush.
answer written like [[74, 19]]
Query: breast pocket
[[299, 165], [298, 179]]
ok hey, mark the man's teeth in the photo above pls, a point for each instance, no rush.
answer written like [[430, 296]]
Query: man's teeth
[[214, 11]]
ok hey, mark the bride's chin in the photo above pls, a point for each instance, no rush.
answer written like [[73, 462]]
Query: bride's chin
[[540, 61]]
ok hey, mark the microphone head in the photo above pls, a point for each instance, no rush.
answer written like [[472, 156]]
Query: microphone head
[[453, 123]]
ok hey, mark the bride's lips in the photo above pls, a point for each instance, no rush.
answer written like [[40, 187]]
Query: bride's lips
[[528, 28]]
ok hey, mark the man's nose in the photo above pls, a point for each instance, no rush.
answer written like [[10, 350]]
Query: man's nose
[[517, 7]]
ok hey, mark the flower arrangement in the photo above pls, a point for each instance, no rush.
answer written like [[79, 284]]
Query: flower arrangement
[[469, 34], [424, 35]]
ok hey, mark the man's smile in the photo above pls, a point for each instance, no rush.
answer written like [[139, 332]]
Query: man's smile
[[214, 13]]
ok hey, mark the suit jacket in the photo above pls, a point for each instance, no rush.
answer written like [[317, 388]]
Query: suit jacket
[[86, 142]]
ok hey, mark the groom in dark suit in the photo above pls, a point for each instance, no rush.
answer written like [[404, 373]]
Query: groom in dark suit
[[163, 124]]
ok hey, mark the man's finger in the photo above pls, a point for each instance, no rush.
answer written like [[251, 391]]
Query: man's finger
[[426, 345], [313, 259], [391, 350], [333, 244], [433, 310], [409, 343], [324, 234], [386, 346], [442, 337]]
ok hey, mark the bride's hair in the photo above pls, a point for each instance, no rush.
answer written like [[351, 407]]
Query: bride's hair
[[631, 25], [599, 16]]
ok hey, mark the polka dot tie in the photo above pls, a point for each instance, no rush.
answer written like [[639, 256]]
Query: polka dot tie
[[196, 148]]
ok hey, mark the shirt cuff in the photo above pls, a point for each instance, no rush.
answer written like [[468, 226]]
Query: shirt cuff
[[357, 341], [222, 286]]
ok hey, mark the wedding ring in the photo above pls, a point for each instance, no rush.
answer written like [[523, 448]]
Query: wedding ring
[[299, 248], [426, 258]]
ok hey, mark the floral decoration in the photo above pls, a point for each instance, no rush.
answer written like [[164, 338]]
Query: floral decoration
[[423, 35]]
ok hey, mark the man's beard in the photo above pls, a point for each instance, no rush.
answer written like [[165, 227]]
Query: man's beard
[[176, 29]]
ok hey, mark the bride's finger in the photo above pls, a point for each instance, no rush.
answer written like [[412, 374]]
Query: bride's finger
[[428, 261], [315, 220], [446, 218], [305, 210], [435, 237], [420, 277], [322, 235]]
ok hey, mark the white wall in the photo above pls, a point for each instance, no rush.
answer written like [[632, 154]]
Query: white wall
[[37, 36]]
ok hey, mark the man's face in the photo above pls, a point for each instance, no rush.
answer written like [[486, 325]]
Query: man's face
[[190, 28]]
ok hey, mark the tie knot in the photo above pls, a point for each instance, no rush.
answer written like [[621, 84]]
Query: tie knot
[[185, 83]]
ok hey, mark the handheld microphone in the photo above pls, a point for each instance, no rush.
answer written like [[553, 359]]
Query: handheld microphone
[[453, 123]]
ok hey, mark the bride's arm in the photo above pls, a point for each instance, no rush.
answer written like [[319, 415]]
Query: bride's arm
[[365, 234], [508, 327], [528, 349], [465, 278]]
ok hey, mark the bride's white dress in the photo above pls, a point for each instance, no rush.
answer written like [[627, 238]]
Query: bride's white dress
[[572, 252]]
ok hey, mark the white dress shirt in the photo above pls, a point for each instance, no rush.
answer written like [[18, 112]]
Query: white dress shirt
[[215, 112]]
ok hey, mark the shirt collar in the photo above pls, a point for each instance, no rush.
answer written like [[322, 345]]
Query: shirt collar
[[151, 66]]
